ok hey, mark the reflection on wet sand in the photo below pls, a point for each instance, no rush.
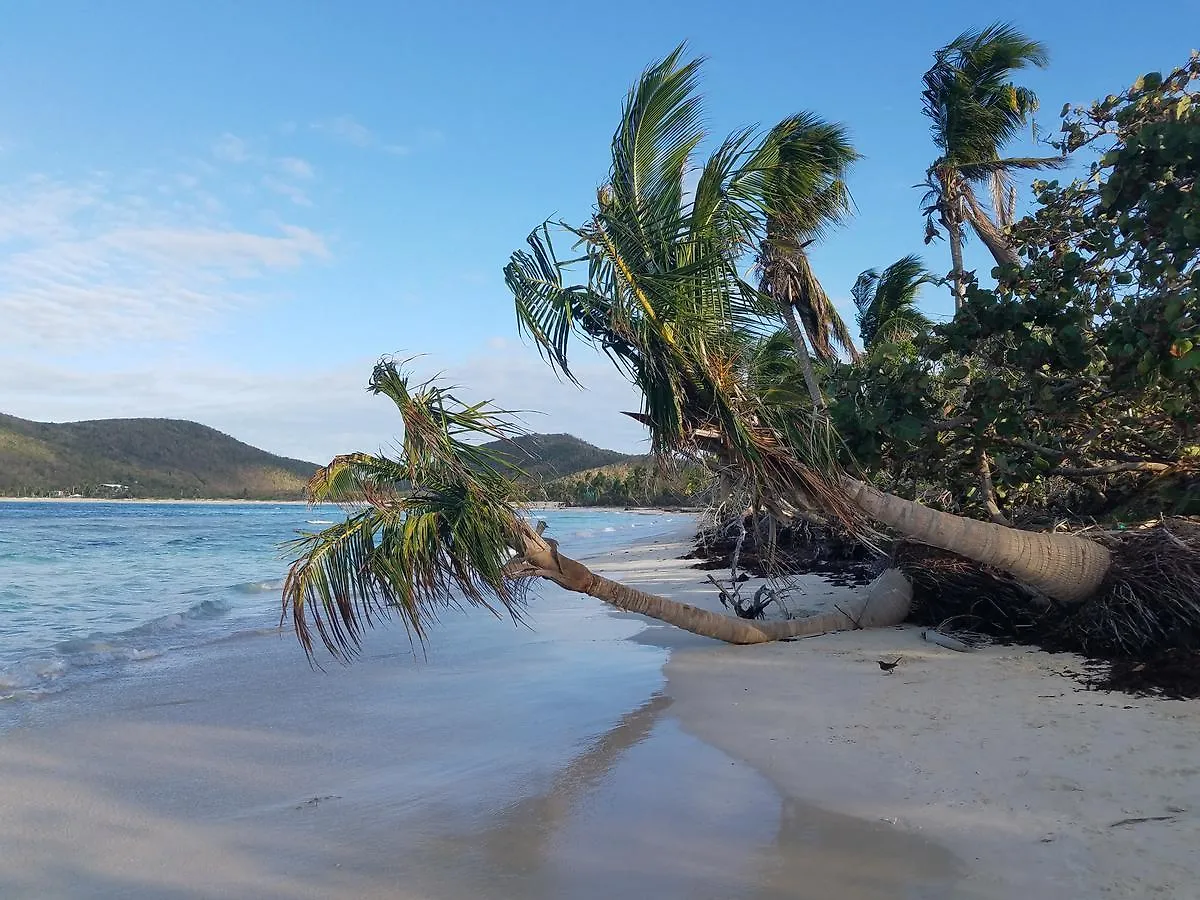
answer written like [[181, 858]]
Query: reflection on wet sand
[[648, 811]]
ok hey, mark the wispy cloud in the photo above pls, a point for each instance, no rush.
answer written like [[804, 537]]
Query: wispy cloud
[[296, 168], [90, 264], [346, 129], [286, 189], [230, 148], [315, 414]]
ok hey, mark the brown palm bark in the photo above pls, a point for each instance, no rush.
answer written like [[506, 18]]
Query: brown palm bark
[[802, 357], [1064, 567], [958, 277], [990, 233], [886, 603]]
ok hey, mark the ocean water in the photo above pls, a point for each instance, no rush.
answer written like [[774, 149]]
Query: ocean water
[[94, 592]]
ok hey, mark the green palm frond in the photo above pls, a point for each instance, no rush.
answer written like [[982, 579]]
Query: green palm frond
[[974, 106], [660, 128], [657, 283], [806, 163], [985, 169], [427, 532], [887, 302]]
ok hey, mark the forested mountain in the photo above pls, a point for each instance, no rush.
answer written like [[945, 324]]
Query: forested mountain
[[140, 458], [545, 457]]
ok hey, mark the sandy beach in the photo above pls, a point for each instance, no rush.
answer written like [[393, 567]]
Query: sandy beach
[[1038, 787], [777, 771]]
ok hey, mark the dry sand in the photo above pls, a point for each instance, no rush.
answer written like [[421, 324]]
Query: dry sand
[[1043, 789], [783, 771]]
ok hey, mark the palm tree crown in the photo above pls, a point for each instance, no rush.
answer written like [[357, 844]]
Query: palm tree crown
[[975, 110], [887, 302], [809, 197]]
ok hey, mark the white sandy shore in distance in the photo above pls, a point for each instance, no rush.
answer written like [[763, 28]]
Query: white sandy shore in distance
[[792, 770], [134, 500]]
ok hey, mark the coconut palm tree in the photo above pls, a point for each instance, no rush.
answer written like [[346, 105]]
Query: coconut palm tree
[[806, 195], [976, 109], [662, 303], [887, 302], [440, 527]]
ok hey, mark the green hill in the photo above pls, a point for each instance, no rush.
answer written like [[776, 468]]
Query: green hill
[[545, 457], [150, 458], [637, 481]]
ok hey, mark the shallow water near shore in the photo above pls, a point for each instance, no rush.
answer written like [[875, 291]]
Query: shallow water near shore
[[501, 762], [91, 591]]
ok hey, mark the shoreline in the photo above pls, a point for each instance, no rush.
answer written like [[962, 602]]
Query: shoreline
[[720, 772], [133, 501], [1043, 789], [505, 762]]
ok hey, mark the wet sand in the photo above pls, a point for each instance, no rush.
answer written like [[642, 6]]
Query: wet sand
[[243, 774], [1041, 788]]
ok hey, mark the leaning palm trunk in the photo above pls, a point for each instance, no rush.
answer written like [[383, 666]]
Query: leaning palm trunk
[[887, 602], [802, 358], [1064, 567], [958, 277], [993, 238]]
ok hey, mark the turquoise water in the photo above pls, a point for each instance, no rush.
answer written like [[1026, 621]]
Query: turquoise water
[[113, 590]]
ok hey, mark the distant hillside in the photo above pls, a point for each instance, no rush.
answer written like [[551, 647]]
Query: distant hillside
[[145, 457], [635, 482], [548, 456]]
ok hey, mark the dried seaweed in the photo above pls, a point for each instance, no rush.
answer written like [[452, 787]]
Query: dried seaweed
[[1142, 627]]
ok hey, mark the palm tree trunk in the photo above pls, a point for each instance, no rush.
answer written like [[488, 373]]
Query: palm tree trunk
[[958, 277], [993, 238], [802, 355], [1064, 567], [885, 603], [988, 488]]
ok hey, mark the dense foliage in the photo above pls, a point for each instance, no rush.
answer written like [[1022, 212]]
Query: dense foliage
[[629, 484], [159, 458], [1073, 385]]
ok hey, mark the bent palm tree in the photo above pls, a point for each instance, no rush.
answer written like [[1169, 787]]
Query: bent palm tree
[[805, 195], [440, 527], [976, 109], [662, 303], [887, 302]]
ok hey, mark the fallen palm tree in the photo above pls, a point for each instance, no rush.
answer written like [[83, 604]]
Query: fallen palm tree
[[440, 527], [1142, 623], [662, 294]]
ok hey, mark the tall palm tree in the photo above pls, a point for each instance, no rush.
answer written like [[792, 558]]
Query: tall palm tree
[[440, 527], [976, 110], [805, 195], [661, 302], [887, 302]]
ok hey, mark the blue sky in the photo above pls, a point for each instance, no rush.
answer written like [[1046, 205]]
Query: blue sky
[[226, 211]]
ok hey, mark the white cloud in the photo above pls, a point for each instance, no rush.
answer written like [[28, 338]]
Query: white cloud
[[346, 129], [349, 130], [230, 148], [296, 168], [286, 189], [313, 413], [93, 264]]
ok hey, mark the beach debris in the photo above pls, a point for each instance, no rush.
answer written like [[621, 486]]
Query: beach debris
[[317, 801], [944, 640], [753, 608], [1140, 632], [887, 667], [1138, 820]]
